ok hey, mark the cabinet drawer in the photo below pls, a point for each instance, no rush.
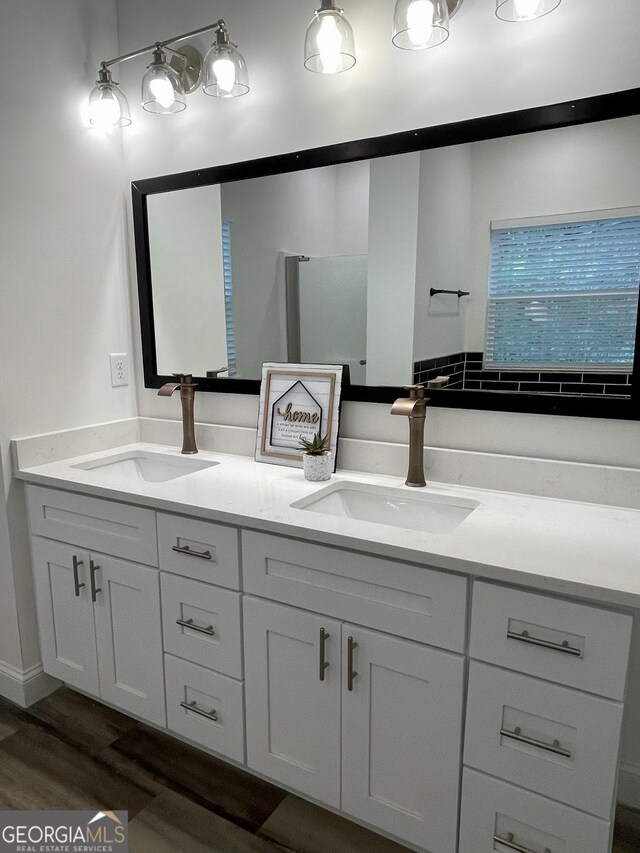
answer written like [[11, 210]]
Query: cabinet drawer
[[214, 640], [550, 739], [492, 810], [199, 549], [105, 526], [215, 718], [573, 644], [414, 602]]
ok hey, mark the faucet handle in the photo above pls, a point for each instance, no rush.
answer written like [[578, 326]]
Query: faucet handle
[[184, 378], [415, 391]]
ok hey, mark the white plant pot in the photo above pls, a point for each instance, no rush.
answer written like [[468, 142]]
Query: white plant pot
[[317, 467]]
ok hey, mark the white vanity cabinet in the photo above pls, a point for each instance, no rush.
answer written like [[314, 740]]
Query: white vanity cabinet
[[541, 746], [346, 677], [356, 718], [99, 615]]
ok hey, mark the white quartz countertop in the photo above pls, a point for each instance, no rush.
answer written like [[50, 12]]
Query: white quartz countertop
[[578, 549]]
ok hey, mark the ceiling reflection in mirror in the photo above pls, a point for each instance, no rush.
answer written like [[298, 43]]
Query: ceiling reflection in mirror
[[534, 239]]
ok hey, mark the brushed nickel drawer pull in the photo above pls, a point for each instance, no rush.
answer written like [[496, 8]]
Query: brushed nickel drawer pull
[[185, 549], [554, 747], [77, 586], [324, 636], [92, 576], [209, 715], [511, 844], [351, 673], [564, 646], [189, 623]]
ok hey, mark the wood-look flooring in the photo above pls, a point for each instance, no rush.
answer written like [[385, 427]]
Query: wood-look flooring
[[69, 752]]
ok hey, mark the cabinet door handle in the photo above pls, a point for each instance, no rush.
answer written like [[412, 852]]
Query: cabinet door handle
[[189, 552], [191, 706], [324, 636], [77, 586], [189, 623], [92, 576], [351, 673], [554, 747], [511, 844], [564, 646]]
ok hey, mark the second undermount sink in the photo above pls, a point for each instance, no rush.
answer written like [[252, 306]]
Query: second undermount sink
[[424, 511], [143, 465]]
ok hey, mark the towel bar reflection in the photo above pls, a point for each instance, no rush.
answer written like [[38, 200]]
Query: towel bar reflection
[[458, 293]]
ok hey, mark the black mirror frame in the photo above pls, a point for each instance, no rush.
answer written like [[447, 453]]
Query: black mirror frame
[[583, 111]]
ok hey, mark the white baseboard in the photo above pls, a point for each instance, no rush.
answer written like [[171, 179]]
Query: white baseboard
[[629, 784], [24, 687]]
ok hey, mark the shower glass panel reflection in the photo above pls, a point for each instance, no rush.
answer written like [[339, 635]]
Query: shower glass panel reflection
[[327, 311]]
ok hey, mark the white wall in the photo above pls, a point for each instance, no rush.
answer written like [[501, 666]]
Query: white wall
[[65, 299], [185, 252], [394, 190], [444, 230]]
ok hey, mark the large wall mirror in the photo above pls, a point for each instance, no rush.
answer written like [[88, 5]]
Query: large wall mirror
[[496, 260]]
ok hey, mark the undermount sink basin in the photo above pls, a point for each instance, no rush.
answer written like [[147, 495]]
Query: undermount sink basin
[[144, 465], [423, 511]]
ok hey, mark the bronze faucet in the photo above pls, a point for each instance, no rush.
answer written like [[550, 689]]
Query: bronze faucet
[[414, 406], [187, 395]]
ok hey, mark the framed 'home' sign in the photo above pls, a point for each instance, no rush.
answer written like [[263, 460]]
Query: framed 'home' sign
[[297, 401]]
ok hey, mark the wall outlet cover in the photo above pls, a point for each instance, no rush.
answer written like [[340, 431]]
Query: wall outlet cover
[[119, 363]]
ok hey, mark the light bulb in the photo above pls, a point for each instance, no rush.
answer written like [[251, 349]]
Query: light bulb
[[162, 91], [105, 111], [225, 73], [420, 21], [527, 8], [329, 44]]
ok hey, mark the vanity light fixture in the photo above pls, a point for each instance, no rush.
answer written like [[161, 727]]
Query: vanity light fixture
[[419, 24], [329, 46], [524, 10], [162, 89], [166, 84], [225, 71]]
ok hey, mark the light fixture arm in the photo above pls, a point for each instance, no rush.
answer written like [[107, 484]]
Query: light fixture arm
[[160, 44]]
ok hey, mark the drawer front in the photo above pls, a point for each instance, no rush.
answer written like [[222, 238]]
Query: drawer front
[[550, 739], [414, 602], [214, 640], [199, 549], [573, 644], [215, 716], [105, 526], [493, 810]]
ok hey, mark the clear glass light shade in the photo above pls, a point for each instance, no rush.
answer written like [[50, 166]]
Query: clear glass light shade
[[162, 91], [524, 10], [108, 107], [224, 72], [419, 24], [329, 46]]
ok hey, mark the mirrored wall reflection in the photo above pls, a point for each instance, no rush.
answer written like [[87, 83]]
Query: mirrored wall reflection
[[338, 264]]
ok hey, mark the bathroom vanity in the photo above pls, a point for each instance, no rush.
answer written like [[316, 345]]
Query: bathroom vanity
[[449, 670]]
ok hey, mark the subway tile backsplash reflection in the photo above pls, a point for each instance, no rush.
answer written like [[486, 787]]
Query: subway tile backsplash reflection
[[465, 372]]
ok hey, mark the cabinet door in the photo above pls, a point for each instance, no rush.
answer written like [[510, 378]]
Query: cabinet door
[[401, 733], [293, 715], [65, 614], [129, 635]]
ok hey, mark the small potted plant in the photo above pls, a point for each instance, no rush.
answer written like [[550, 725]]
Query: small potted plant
[[316, 458]]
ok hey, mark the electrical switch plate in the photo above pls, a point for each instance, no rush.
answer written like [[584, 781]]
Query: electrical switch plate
[[119, 362]]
